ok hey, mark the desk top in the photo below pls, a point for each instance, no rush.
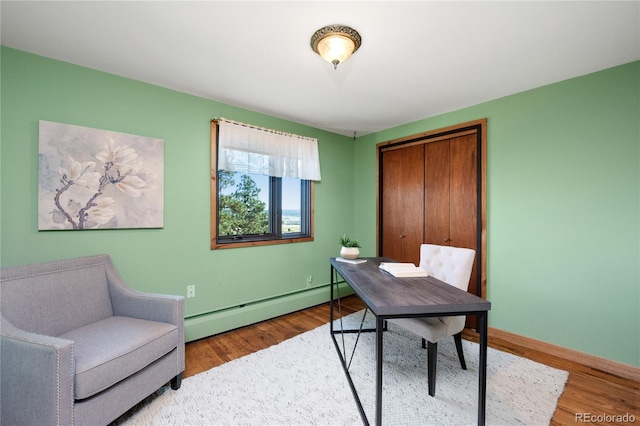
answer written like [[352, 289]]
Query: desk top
[[388, 296]]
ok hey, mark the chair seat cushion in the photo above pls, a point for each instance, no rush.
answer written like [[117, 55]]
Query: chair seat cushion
[[433, 329], [112, 349]]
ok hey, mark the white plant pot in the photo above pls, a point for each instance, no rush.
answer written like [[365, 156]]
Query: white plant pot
[[350, 252]]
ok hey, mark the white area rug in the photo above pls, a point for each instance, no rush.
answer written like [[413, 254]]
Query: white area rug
[[301, 382]]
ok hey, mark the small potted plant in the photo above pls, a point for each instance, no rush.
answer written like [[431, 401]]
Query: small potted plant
[[350, 248]]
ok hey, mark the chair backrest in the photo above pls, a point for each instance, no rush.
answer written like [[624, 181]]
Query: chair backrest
[[56, 297], [452, 265]]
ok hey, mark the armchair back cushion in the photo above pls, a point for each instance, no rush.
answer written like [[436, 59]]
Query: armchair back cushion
[[55, 303]]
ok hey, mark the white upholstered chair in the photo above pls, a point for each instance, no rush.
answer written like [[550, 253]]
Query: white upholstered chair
[[452, 265]]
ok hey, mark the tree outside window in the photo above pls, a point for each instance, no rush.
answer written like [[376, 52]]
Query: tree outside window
[[240, 209]]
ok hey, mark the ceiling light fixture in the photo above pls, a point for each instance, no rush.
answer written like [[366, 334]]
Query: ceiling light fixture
[[335, 43]]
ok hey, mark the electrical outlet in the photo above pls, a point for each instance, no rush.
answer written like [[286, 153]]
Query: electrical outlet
[[191, 291], [309, 280]]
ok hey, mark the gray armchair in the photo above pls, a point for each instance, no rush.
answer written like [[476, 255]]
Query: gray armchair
[[77, 346]]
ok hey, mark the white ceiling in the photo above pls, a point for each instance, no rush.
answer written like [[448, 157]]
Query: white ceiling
[[418, 59]]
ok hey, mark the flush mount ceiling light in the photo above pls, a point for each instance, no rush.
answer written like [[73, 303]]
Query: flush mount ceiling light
[[335, 43]]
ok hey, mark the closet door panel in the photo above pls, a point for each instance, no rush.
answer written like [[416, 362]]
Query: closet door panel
[[464, 197], [391, 205], [413, 215], [463, 200], [403, 203], [436, 193]]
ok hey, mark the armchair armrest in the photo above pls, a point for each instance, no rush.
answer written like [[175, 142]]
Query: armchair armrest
[[36, 377], [129, 302]]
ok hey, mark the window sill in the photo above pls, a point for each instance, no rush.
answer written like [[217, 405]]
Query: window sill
[[216, 245]]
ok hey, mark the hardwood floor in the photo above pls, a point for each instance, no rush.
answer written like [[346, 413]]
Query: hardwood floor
[[590, 396]]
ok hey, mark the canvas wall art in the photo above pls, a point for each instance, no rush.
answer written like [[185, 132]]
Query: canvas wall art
[[98, 179]]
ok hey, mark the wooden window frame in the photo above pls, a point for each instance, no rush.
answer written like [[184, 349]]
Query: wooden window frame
[[283, 239]]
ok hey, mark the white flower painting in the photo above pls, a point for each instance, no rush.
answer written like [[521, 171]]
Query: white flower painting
[[99, 179]]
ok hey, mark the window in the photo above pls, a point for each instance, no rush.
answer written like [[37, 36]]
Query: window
[[260, 195], [258, 207]]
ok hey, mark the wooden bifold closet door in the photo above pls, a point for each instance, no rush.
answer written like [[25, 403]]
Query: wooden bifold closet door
[[431, 189], [451, 195], [403, 203]]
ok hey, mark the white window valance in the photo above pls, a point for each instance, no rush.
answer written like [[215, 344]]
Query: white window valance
[[250, 149]]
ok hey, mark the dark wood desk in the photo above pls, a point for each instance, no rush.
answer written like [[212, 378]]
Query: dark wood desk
[[390, 297]]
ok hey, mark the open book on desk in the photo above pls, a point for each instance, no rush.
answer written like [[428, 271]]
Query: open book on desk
[[403, 269]]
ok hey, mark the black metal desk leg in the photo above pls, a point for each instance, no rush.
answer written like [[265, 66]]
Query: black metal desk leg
[[482, 389], [331, 302], [379, 346]]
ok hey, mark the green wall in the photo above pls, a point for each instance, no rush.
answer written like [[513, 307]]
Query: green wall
[[563, 209], [563, 202], [164, 260]]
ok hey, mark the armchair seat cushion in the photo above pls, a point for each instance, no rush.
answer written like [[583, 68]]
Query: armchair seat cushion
[[114, 348]]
